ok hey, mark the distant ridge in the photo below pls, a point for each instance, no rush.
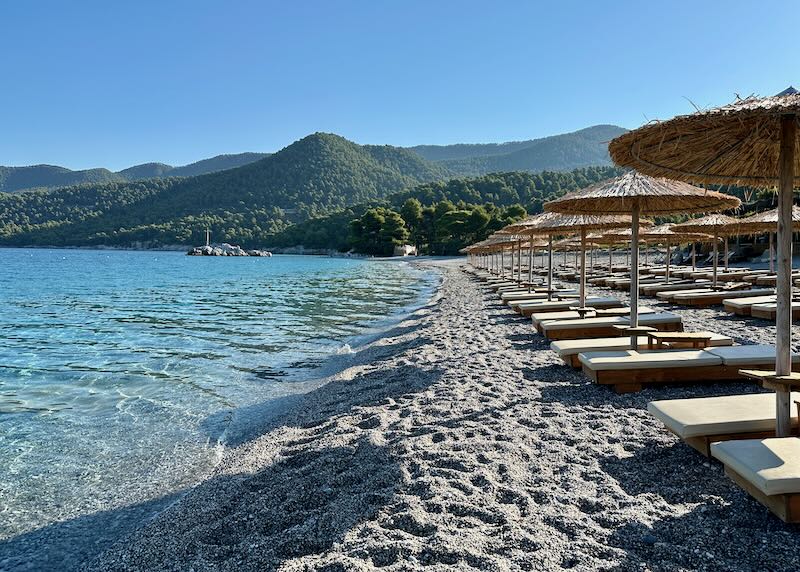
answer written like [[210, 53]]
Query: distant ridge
[[563, 152], [318, 174], [16, 179]]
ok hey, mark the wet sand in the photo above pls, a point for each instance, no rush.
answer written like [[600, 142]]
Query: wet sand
[[459, 441]]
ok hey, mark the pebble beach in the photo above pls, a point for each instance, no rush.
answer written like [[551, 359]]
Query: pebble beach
[[459, 441]]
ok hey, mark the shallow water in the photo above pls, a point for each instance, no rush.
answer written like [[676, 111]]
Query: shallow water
[[121, 371]]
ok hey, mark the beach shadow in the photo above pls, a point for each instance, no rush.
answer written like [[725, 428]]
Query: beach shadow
[[728, 533], [299, 506], [529, 341], [67, 545]]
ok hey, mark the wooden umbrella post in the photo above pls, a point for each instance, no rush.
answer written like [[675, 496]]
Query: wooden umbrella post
[[635, 273], [716, 251], [583, 267], [694, 256], [550, 267], [783, 319], [519, 260], [530, 264], [771, 255], [666, 274], [726, 254]]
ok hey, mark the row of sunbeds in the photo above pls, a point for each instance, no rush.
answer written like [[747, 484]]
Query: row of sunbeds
[[737, 430]]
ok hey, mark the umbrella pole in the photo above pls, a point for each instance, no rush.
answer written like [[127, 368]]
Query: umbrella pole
[[646, 263], [666, 275], [583, 267], [610, 261], [783, 319], [635, 274], [726, 253], [530, 265], [519, 260], [694, 256], [716, 251], [771, 255], [550, 267]]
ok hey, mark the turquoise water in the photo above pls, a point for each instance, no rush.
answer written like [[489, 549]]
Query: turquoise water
[[122, 372]]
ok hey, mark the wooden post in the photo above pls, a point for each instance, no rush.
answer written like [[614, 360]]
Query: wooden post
[[635, 273], [726, 253], [519, 260], [771, 255], [550, 267], [694, 256], [583, 268], [666, 275], [716, 250], [783, 319], [610, 260], [530, 263]]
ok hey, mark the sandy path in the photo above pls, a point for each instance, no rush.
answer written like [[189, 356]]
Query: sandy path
[[460, 442]]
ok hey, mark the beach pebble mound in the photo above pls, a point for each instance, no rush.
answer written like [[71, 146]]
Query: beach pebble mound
[[460, 442]]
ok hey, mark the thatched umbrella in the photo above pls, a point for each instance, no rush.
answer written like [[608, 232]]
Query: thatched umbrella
[[752, 141], [767, 221], [668, 234], [639, 195], [558, 224], [718, 225]]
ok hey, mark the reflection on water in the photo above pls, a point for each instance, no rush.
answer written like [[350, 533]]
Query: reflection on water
[[111, 362]]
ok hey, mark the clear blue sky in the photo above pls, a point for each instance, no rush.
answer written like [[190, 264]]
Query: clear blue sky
[[95, 83]]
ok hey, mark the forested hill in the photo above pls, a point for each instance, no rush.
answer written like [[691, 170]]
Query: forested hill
[[16, 179], [557, 153], [248, 205]]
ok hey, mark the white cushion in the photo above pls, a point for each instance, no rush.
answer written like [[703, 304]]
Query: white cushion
[[771, 465], [571, 347], [573, 315], [739, 303], [565, 304], [671, 293], [756, 354], [726, 295], [630, 359], [644, 320], [708, 416]]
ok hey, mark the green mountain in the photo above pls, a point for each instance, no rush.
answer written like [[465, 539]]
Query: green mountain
[[13, 179], [249, 204], [16, 179], [557, 153]]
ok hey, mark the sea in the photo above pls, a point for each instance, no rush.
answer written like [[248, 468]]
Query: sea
[[125, 374]]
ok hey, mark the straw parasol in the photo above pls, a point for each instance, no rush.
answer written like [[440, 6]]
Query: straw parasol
[[637, 194], [752, 141], [668, 235], [554, 224], [767, 221], [716, 224]]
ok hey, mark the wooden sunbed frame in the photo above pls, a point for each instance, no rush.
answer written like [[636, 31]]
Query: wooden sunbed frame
[[769, 314], [706, 301], [608, 331], [632, 380], [784, 506]]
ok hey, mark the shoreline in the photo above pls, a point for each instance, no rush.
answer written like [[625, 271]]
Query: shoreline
[[459, 440], [39, 549]]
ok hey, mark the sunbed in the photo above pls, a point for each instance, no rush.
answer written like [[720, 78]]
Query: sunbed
[[668, 295], [715, 297], [604, 327], [529, 307], [539, 318], [569, 350], [768, 469], [704, 420], [741, 306], [768, 310], [628, 370]]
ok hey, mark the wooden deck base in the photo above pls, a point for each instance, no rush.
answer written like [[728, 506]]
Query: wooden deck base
[[604, 332], [785, 506]]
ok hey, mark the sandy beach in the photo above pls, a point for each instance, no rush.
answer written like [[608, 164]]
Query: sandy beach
[[459, 441]]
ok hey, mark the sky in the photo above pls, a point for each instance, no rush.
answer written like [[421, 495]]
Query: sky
[[112, 84]]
